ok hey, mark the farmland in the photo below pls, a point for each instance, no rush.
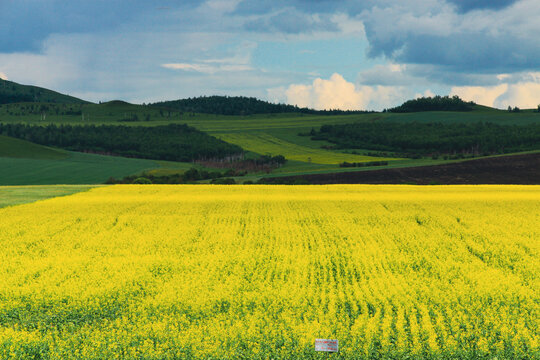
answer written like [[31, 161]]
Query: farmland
[[265, 143], [199, 272], [294, 135], [26, 163]]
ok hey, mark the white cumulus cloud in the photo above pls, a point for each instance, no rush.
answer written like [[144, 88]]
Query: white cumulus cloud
[[335, 93], [525, 95], [483, 95], [338, 93], [3, 76]]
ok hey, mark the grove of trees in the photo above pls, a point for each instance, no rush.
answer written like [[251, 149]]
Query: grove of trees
[[239, 105], [171, 142], [436, 103], [419, 139]]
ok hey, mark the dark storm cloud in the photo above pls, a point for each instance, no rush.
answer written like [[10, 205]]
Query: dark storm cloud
[[468, 5], [352, 7], [481, 42], [473, 53]]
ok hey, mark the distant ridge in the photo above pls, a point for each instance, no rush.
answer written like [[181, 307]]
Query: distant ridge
[[240, 105], [12, 92]]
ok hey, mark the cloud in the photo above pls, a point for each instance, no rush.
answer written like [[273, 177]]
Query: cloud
[[468, 5], [335, 93], [432, 32], [257, 7], [208, 69], [391, 74], [47, 70], [524, 95], [483, 95], [3, 76], [139, 50], [291, 21], [127, 66], [240, 61], [25, 24], [338, 93]]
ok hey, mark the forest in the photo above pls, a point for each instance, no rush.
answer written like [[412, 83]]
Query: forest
[[240, 105], [436, 103], [171, 142], [421, 139]]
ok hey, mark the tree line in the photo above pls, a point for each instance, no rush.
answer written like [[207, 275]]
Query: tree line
[[420, 139], [172, 142]]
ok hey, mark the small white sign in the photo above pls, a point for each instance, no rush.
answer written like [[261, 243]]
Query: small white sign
[[326, 345]]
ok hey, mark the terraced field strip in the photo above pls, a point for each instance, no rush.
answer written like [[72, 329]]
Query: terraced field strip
[[260, 272], [16, 195], [263, 143]]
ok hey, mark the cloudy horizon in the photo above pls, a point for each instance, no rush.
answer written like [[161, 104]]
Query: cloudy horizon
[[347, 54]]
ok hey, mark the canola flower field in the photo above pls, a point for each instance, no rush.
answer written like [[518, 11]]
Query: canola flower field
[[259, 272]]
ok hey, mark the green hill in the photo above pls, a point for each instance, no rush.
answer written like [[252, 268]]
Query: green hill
[[16, 148], [26, 163], [11, 92], [436, 103]]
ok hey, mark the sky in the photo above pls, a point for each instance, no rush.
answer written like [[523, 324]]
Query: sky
[[324, 54]]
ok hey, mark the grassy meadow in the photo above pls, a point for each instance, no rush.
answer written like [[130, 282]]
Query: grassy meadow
[[26, 163], [259, 272]]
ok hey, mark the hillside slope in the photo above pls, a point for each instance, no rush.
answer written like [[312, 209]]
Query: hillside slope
[[17, 148], [11, 92]]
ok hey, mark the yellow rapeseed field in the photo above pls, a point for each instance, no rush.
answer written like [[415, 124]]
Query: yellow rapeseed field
[[259, 272]]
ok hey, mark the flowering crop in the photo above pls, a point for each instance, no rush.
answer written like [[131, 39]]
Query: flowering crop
[[260, 272]]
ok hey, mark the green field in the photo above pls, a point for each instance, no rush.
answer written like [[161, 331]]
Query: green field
[[15, 148], [17, 195], [26, 163], [275, 134], [76, 168], [264, 143]]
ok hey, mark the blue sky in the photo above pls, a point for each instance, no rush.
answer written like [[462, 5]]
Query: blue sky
[[319, 53]]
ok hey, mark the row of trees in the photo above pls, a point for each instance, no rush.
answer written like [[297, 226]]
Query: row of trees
[[14, 98], [414, 139], [190, 176], [172, 142]]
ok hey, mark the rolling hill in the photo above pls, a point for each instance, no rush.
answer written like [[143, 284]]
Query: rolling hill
[[16, 148], [26, 163], [257, 127], [11, 92]]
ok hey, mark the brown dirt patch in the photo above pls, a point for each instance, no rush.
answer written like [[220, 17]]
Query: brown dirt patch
[[516, 169]]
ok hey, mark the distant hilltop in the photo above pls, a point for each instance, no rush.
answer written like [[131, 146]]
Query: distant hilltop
[[11, 92], [241, 105]]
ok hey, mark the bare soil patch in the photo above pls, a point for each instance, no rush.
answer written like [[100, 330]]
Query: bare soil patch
[[516, 169]]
